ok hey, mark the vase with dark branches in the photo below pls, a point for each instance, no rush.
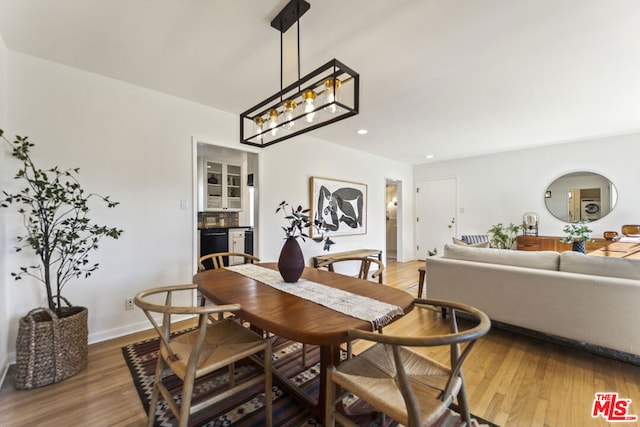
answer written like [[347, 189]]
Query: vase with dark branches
[[291, 260]]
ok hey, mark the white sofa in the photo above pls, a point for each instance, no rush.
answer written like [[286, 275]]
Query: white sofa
[[592, 301]]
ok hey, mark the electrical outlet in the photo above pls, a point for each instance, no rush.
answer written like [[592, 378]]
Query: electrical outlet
[[128, 304]]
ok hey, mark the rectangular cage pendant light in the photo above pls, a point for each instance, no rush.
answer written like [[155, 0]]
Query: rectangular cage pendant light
[[322, 97]]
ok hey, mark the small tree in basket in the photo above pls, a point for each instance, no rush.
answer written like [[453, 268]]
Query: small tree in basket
[[55, 210]]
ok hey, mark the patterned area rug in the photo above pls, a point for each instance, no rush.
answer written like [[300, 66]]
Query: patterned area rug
[[247, 407]]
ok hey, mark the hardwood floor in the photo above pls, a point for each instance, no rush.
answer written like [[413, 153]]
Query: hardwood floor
[[512, 380]]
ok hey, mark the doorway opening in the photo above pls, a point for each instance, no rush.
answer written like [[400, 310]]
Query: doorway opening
[[225, 200], [391, 214]]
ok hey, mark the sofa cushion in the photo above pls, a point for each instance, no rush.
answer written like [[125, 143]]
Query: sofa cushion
[[575, 262], [542, 260]]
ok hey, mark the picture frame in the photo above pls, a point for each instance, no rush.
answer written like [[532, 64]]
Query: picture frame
[[341, 205]]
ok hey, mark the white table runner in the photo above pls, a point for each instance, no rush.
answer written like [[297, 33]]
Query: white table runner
[[376, 312]]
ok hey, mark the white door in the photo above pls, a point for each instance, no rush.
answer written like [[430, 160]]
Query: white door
[[436, 203]]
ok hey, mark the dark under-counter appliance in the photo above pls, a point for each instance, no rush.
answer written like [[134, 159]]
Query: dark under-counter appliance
[[213, 240]]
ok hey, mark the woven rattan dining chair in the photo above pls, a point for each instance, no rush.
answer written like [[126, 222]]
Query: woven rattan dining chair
[[198, 352], [402, 383], [218, 259], [365, 266]]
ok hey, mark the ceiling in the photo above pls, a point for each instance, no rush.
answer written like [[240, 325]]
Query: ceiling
[[448, 78]]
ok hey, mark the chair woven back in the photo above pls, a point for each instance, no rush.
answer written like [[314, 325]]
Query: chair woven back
[[405, 384], [202, 350], [218, 260], [365, 266]]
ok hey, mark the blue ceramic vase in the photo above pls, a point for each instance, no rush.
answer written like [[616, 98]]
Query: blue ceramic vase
[[579, 247]]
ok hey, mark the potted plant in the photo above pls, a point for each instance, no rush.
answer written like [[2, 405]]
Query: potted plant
[[52, 341], [291, 260], [577, 234], [503, 237]]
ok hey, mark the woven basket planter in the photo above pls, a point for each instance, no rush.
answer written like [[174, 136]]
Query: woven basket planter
[[49, 348]]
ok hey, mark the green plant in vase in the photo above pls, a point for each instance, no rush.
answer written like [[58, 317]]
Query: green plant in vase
[[577, 233]]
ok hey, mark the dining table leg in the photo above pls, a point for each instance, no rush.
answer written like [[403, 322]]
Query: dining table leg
[[329, 355]]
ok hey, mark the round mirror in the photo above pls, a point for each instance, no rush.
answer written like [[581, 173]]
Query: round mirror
[[580, 195]]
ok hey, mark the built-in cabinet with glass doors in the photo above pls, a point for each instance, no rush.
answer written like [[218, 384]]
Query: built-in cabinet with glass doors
[[223, 186]]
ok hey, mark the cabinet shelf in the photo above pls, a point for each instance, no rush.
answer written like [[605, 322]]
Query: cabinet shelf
[[223, 191]]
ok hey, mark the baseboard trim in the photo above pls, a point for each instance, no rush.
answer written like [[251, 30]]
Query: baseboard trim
[[3, 374], [118, 332]]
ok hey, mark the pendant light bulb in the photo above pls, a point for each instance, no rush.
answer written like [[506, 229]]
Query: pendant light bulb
[[273, 121], [259, 121], [308, 97], [331, 94], [289, 108]]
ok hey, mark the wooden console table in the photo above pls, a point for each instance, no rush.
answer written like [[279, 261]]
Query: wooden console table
[[319, 260], [553, 243]]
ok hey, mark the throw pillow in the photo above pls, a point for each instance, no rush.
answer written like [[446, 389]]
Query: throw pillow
[[471, 245]]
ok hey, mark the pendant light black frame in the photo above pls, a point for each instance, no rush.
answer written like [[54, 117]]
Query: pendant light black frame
[[335, 72]]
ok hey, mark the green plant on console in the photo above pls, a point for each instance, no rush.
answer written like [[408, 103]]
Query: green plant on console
[[576, 232], [55, 210], [504, 237]]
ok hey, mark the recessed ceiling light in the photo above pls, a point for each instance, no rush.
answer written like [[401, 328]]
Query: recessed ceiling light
[[362, 131], [429, 156]]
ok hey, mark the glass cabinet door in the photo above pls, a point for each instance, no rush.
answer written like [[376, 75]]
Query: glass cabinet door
[[234, 187], [223, 186], [214, 185]]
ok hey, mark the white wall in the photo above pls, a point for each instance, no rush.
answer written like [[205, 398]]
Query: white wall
[[136, 146], [132, 144], [4, 275], [501, 187], [286, 171]]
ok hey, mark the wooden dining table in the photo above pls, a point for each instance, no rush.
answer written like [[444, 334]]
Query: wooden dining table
[[629, 250], [288, 316]]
